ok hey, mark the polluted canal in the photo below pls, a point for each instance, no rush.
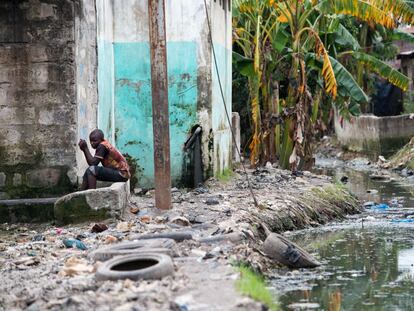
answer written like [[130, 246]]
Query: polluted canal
[[368, 259]]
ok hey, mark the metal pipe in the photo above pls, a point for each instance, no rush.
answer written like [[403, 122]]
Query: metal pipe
[[160, 114]]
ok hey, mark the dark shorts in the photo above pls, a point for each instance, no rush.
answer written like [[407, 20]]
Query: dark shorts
[[107, 174]]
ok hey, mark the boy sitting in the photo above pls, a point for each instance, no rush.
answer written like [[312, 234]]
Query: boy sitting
[[115, 168]]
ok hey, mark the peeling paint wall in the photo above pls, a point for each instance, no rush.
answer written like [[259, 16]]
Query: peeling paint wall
[[222, 40], [190, 81], [86, 78]]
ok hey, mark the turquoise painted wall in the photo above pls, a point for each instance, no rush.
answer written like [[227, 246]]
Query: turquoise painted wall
[[133, 103]]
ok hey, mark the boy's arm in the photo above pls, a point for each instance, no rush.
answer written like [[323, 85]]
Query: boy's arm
[[88, 156]]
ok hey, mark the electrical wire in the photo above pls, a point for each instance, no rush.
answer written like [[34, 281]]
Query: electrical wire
[[225, 106]]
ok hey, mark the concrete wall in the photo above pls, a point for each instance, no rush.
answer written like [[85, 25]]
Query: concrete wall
[[373, 135], [46, 86], [222, 40], [86, 79], [190, 81]]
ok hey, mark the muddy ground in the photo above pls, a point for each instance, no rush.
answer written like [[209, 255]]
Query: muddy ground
[[34, 263]]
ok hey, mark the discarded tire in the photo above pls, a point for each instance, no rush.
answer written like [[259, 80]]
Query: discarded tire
[[111, 253], [288, 253], [176, 236], [127, 248], [136, 267], [234, 237]]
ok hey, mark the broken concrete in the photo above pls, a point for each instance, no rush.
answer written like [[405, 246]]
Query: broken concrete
[[373, 135], [93, 204]]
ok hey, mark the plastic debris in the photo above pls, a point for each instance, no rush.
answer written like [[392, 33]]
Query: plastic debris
[[134, 210], [38, 238], [74, 266], [369, 204], [380, 206], [110, 239], [72, 243], [212, 201], [99, 228], [402, 220], [146, 219], [124, 226]]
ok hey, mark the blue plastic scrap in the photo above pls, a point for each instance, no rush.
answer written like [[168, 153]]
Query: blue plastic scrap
[[72, 243], [402, 220], [380, 206]]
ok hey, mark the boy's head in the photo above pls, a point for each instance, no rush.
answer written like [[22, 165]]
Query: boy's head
[[96, 137]]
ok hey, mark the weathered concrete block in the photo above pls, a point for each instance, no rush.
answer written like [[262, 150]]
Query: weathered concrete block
[[2, 179], [4, 196], [94, 204], [45, 177], [17, 179]]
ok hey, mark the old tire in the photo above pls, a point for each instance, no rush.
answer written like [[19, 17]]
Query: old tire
[[288, 253], [178, 236], [126, 248], [136, 267]]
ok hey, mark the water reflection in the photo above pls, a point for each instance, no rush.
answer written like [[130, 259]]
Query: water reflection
[[369, 269]]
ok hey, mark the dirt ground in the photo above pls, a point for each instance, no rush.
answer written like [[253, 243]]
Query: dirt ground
[[35, 265]]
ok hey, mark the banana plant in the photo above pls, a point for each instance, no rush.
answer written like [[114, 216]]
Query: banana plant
[[316, 63]]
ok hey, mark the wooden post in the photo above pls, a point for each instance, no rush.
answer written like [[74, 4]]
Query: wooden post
[[160, 114]]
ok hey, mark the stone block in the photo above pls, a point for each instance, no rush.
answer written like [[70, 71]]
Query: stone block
[[2, 179], [17, 179], [45, 177], [4, 196], [94, 204]]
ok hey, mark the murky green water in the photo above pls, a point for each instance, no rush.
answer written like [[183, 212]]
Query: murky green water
[[363, 269], [367, 265]]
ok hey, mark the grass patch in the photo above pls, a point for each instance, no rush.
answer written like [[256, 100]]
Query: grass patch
[[253, 285], [225, 175]]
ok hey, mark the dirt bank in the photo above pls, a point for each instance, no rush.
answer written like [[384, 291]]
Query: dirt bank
[[204, 276]]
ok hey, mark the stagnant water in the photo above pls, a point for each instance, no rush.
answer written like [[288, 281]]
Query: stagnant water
[[368, 260]]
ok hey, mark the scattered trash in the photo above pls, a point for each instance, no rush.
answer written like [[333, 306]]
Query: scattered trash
[[146, 219], [344, 179], [38, 238], [181, 221], [81, 236], [59, 231], [72, 243], [124, 226], [134, 210], [369, 204], [380, 206], [382, 158], [75, 266], [402, 220], [372, 191], [110, 239], [212, 201], [99, 228]]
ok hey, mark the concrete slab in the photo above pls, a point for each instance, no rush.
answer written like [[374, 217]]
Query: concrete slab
[[93, 204], [373, 135]]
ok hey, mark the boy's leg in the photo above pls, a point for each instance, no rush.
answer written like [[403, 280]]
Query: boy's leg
[[84, 185], [108, 174], [89, 178]]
